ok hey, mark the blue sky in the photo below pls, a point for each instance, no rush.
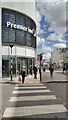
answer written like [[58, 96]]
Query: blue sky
[[51, 26]]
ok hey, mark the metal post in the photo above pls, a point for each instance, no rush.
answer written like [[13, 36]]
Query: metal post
[[11, 60], [40, 72], [40, 67]]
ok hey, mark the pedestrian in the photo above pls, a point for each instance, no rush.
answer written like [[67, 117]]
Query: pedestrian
[[44, 69], [23, 74], [30, 69], [35, 72], [39, 70], [51, 69], [63, 68]]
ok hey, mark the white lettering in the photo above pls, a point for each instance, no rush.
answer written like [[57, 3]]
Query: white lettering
[[15, 26], [18, 27], [21, 27], [11, 25], [29, 30], [8, 24], [24, 28]]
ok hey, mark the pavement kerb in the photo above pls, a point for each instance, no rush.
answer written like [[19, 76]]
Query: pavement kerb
[[55, 82], [32, 82], [29, 79]]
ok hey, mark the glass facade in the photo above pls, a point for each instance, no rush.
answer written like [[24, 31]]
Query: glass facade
[[18, 63], [5, 65], [20, 29], [17, 30]]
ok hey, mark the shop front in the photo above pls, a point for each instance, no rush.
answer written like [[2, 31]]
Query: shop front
[[18, 64]]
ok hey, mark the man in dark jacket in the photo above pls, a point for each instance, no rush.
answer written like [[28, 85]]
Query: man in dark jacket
[[35, 72], [51, 70]]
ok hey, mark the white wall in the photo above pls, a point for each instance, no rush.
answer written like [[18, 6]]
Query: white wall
[[30, 53], [18, 51]]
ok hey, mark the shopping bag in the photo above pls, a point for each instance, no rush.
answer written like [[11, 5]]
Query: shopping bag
[[20, 78]]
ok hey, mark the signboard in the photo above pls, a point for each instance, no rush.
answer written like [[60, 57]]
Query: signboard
[[21, 27]]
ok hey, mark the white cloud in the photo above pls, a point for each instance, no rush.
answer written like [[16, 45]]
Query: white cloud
[[40, 40], [48, 56], [44, 49], [38, 28], [56, 1], [38, 17], [60, 45], [54, 13], [54, 36], [47, 49], [62, 40]]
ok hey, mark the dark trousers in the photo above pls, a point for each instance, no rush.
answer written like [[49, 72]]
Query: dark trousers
[[23, 78], [51, 74], [35, 75]]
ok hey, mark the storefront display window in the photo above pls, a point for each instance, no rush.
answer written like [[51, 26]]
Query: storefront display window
[[21, 62]]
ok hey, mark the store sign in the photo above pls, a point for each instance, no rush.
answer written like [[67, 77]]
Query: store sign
[[21, 27]]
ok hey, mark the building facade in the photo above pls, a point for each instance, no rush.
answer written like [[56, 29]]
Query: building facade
[[57, 57], [19, 31], [60, 56]]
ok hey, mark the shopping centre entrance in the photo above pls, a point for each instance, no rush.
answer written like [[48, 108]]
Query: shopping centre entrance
[[17, 64]]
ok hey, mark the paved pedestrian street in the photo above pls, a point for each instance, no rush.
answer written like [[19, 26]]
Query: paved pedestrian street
[[33, 101]]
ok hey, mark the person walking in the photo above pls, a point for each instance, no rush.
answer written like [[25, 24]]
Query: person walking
[[23, 73], [30, 69], [51, 69], [35, 72], [63, 68]]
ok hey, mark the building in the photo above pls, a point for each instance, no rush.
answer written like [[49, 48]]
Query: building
[[57, 57], [65, 56], [18, 28], [60, 56]]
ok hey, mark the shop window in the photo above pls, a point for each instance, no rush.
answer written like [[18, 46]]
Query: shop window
[[20, 19], [29, 39], [5, 65], [20, 37]]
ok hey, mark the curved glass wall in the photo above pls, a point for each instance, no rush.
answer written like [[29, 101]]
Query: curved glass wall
[[17, 29]]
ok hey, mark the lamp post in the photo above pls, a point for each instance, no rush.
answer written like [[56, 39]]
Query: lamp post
[[11, 61]]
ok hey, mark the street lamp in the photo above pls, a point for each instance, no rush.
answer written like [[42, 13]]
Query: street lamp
[[11, 61]]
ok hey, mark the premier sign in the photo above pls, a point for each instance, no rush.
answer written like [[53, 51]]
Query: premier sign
[[20, 27]]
